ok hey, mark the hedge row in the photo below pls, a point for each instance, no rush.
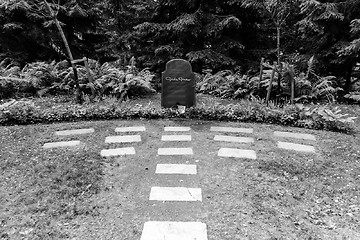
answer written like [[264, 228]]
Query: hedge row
[[317, 117]]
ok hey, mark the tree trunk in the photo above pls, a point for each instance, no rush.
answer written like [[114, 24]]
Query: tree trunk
[[67, 47], [278, 29], [347, 86], [261, 72], [270, 86], [292, 83]]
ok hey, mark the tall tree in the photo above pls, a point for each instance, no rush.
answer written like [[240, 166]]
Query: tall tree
[[333, 26], [278, 11], [201, 31], [27, 33]]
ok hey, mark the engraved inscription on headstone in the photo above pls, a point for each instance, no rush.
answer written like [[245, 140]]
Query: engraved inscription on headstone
[[178, 84]]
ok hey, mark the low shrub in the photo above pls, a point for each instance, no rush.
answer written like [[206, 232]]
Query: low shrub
[[314, 117]]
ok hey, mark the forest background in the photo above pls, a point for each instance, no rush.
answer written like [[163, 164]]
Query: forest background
[[317, 42]]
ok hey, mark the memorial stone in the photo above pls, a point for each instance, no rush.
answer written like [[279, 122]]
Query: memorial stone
[[178, 84]]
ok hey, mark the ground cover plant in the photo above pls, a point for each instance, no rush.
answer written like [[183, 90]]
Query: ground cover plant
[[208, 108], [76, 194]]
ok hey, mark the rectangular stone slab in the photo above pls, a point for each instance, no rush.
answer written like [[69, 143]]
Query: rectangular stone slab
[[304, 136], [177, 138], [224, 138], [296, 147], [117, 152], [231, 129], [61, 144], [130, 129], [156, 230], [74, 132], [176, 129], [237, 153], [175, 169], [123, 139], [175, 151], [175, 194]]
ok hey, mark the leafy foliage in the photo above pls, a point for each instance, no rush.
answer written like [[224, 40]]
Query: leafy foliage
[[226, 84], [322, 89], [326, 117], [353, 97], [315, 117], [55, 78]]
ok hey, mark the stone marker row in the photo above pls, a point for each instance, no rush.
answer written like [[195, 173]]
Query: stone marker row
[[234, 152], [155, 230], [295, 146], [122, 139], [72, 143]]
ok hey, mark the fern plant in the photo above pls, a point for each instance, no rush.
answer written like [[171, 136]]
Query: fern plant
[[353, 97], [226, 84], [310, 87]]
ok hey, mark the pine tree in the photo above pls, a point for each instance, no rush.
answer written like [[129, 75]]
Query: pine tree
[[203, 32], [28, 33], [334, 28]]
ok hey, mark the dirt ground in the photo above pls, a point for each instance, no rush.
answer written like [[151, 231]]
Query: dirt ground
[[280, 195]]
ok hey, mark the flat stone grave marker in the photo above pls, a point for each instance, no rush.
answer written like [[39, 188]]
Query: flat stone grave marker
[[224, 138], [237, 153], [176, 138], [123, 139], [231, 129], [304, 136], [117, 152], [296, 147], [156, 230], [175, 151], [178, 84], [175, 169], [61, 144], [130, 129], [175, 194], [74, 132], [177, 129]]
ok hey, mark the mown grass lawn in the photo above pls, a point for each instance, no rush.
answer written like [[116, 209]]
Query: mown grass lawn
[[76, 194]]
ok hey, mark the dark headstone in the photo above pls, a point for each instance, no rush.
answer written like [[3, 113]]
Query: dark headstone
[[178, 84]]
